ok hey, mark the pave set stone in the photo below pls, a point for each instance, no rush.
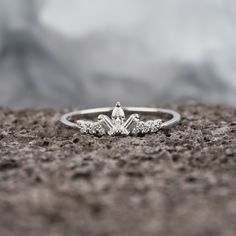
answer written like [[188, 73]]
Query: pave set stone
[[89, 127], [117, 124], [144, 127]]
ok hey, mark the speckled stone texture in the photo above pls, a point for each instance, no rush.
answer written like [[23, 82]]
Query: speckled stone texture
[[55, 181]]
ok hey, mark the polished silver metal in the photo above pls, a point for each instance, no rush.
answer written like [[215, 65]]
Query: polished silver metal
[[117, 125]]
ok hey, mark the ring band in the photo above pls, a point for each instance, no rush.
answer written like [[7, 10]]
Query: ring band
[[117, 124]]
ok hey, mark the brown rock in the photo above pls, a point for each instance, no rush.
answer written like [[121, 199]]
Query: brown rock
[[55, 181]]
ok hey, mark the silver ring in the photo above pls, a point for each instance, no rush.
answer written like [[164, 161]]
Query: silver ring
[[117, 124]]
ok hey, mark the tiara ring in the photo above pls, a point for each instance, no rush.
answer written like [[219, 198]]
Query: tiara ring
[[118, 124]]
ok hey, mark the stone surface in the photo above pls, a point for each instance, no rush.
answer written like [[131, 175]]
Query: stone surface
[[55, 181]]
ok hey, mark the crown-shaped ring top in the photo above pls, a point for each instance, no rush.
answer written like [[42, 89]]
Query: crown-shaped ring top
[[118, 124]]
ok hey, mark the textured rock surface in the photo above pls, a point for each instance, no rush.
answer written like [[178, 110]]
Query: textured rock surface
[[54, 181]]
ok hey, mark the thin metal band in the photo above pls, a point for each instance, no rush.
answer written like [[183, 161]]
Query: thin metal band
[[65, 119]]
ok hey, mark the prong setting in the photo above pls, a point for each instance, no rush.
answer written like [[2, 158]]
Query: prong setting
[[116, 125]]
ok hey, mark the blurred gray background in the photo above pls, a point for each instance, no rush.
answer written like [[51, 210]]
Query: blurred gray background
[[93, 52]]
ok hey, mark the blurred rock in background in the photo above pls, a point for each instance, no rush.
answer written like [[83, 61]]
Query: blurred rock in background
[[94, 52]]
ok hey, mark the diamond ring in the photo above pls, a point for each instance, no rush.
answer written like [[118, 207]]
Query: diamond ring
[[118, 124]]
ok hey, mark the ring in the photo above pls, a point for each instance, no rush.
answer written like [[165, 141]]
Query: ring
[[117, 124]]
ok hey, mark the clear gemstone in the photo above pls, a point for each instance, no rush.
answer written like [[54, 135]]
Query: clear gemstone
[[118, 115]]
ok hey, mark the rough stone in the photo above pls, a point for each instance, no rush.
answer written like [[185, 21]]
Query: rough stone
[[55, 181]]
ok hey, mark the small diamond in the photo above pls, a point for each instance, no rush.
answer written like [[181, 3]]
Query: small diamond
[[135, 131], [156, 125], [101, 131], [92, 131], [111, 132], [80, 123], [125, 132], [145, 129], [83, 130]]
